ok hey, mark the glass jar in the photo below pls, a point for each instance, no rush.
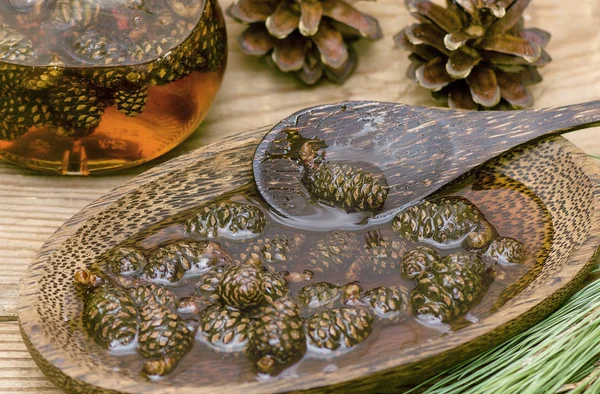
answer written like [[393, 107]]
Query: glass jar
[[88, 86]]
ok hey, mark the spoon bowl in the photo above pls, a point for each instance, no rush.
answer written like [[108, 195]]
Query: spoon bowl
[[417, 149]]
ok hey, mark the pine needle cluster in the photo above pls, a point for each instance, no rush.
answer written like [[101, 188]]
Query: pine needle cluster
[[560, 354]]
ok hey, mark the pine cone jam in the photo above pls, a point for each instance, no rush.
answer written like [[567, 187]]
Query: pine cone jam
[[92, 86], [231, 285]]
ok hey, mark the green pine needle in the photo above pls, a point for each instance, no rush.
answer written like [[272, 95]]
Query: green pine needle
[[558, 355]]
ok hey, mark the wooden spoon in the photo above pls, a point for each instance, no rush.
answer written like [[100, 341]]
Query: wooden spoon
[[418, 149]]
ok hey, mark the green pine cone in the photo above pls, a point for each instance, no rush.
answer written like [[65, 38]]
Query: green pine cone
[[170, 263], [18, 113], [44, 78], [204, 49], [339, 328], [117, 78], [14, 47], [351, 294], [209, 43], [110, 317], [386, 302], [446, 222], [76, 104], [125, 261], [275, 250], [278, 339], [193, 305], [225, 329], [506, 251], [241, 287], [13, 77], [208, 283], [318, 294], [450, 287], [152, 293], [336, 251], [228, 220], [163, 267], [170, 67], [74, 13], [383, 254], [345, 186], [164, 338], [131, 102], [95, 49], [417, 260], [274, 286]]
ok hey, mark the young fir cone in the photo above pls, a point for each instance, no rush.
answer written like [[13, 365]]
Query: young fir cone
[[278, 339], [382, 256], [109, 314], [450, 287], [125, 261], [279, 249], [143, 295], [227, 220], [76, 103], [224, 329], [20, 112], [474, 54], [339, 328], [242, 287], [170, 263], [335, 252], [446, 222], [311, 38], [341, 184], [417, 260], [386, 302], [506, 251], [319, 294], [164, 337]]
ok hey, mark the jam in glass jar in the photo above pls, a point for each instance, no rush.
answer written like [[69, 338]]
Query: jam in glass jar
[[89, 86]]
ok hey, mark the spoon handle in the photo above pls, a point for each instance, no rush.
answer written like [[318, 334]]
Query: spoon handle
[[500, 131], [567, 118]]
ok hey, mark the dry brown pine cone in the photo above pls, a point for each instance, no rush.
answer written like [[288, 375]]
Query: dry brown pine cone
[[474, 53], [309, 37]]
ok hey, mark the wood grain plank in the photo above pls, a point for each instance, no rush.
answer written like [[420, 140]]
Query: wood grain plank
[[18, 372]]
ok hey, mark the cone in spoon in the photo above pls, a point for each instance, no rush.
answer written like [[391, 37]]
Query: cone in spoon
[[405, 152]]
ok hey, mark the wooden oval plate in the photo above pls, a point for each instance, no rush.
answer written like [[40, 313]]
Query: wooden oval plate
[[567, 183]]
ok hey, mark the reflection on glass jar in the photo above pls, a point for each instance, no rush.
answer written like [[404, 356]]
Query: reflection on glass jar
[[88, 86]]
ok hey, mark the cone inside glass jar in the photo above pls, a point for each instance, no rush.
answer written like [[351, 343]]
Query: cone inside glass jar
[[90, 86]]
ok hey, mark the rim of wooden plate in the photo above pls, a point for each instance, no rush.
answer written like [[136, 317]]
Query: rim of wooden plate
[[65, 373]]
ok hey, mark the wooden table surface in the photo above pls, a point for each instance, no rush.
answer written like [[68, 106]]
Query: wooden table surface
[[33, 206]]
